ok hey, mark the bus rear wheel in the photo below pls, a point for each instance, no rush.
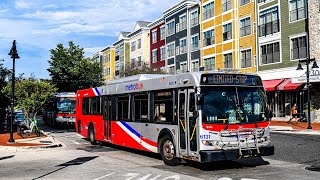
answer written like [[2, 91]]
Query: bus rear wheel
[[167, 151], [92, 136]]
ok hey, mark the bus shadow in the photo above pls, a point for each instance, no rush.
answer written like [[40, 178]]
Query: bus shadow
[[225, 165]]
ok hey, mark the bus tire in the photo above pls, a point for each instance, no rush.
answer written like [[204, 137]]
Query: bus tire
[[92, 136], [167, 151]]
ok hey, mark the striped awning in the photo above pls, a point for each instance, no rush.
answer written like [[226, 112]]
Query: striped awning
[[287, 85]]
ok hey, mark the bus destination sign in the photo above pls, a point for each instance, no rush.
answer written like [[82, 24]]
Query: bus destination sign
[[230, 79]]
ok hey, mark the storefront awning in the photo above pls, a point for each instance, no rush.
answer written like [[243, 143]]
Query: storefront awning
[[287, 85], [271, 85]]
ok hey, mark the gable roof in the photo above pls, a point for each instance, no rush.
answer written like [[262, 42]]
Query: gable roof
[[141, 24], [123, 35]]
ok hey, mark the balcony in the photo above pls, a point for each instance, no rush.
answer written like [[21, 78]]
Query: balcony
[[269, 28]]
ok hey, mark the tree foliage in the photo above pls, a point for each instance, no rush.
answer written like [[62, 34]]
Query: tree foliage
[[70, 70], [5, 76], [134, 69], [31, 94]]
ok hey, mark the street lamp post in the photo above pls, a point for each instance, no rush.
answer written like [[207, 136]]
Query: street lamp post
[[307, 61], [14, 55]]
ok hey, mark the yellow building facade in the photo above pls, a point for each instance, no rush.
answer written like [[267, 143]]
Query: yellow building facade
[[228, 34], [108, 63]]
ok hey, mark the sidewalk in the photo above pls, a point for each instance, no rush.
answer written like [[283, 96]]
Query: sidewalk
[[300, 128], [32, 142]]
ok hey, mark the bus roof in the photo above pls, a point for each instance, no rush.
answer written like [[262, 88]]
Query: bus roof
[[150, 82]]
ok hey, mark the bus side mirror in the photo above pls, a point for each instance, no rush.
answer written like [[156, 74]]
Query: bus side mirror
[[200, 100]]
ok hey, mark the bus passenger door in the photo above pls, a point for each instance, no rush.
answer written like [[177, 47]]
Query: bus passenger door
[[107, 117], [182, 106], [192, 123]]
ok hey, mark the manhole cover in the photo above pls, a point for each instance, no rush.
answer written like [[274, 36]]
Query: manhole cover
[[313, 168], [45, 142]]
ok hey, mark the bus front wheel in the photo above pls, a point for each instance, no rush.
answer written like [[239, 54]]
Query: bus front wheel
[[92, 136], [167, 151]]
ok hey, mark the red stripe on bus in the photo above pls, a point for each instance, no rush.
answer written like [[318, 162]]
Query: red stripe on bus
[[220, 127]]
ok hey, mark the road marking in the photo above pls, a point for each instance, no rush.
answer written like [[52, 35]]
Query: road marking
[[75, 142], [105, 176]]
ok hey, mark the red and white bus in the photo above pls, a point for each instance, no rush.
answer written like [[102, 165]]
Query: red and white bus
[[199, 116], [61, 110]]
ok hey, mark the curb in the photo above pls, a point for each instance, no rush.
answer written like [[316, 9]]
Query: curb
[[301, 132]]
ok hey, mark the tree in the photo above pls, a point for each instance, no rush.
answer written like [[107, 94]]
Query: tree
[[134, 69], [31, 94], [5, 76], [71, 71]]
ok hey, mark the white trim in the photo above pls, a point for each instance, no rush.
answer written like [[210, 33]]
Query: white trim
[[228, 52], [208, 47], [154, 30], [208, 2], [245, 49], [246, 3], [305, 12], [266, 43], [263, 3], [209, 56]]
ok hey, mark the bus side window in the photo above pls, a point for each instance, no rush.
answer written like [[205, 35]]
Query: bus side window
[[141, 107], [123, 108], [163, 107]]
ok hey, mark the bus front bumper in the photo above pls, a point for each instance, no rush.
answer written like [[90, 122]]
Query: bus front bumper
[[229, 155]]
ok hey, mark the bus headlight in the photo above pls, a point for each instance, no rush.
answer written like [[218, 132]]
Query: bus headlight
[[210, 143]]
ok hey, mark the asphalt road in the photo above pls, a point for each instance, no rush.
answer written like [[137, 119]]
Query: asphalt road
[[81, 160]]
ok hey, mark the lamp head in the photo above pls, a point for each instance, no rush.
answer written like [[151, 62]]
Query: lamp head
[[315, 65], [299, 67]]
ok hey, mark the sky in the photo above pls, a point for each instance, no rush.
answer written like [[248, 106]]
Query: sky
[[39, 25]]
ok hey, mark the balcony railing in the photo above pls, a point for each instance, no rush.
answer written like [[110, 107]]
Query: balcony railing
[[194, 21], [269, 28]]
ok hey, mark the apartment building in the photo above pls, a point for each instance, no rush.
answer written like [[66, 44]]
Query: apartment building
[[122, 53], [139, 41], [282, 42], [228, 34], [108, 63], [178, 34], [157, 43]]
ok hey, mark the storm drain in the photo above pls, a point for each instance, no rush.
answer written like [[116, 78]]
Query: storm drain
[[313, 168], [46, 142]]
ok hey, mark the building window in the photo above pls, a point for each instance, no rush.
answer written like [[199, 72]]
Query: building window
[[154, 36], [104, 59], [133, 63], [194, 18], [162, 32], [270, 53], [299, 48], [109, 57], [104, 71], [209, 64], [183, 22], [244, 2], [183, 67], [170, 28], [162, 53], [171, 70], [209, 38], [139, 63], [195, 43], [246, 58], [227, 61], [245, 27], [194, 66], [297, 10], [170, 50], [155, 56], [226, 5], [139, 43], [133, 46], [269, 22], [227, 31], [208, 10], [108, 71], [183, 46]]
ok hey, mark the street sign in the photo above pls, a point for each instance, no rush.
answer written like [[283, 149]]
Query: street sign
[[314, 77]]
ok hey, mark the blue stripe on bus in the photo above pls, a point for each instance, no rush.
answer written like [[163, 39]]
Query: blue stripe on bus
[[130, 129], [97, 91]]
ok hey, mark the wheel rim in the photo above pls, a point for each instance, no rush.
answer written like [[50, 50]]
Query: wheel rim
[[168, 150]]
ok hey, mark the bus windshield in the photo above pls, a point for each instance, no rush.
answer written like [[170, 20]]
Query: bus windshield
[[66, 105], [233, 105]]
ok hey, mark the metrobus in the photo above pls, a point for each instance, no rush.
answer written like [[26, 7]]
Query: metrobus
[[200, 116], [61, 110]]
